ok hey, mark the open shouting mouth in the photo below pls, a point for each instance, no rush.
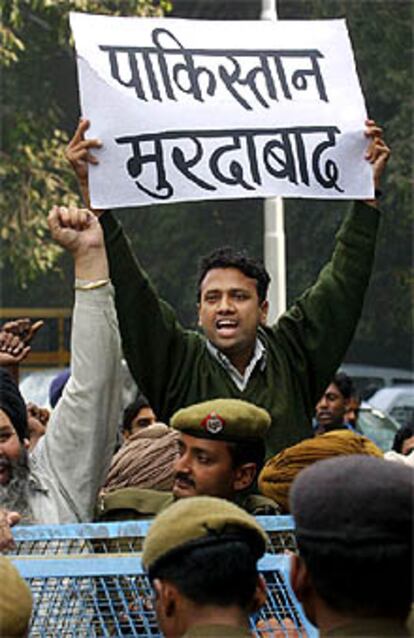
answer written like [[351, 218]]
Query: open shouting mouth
[[226, 327]]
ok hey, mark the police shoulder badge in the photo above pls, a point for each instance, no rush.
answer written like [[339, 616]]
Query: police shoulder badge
[[213, 423]]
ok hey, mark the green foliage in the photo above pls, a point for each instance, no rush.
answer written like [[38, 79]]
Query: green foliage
[[381, 33], [34, 49], [35, 174]]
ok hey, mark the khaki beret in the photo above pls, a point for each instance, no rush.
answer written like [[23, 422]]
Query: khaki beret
[[15, 600], [199, 521], [223, 420]]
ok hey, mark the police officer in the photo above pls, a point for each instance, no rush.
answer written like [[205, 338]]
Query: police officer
[[221, 449], [353, 525], [15, 601], [201, 555]]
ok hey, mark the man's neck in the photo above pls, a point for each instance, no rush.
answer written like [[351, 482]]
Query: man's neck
[[329, 620], [210, 615], [240, 360]]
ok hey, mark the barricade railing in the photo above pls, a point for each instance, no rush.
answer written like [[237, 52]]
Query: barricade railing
[[124, 536], [87, 581]]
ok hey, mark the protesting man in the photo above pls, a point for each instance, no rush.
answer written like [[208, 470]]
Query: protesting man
[[283, 368], [59, 481], [221, 448]]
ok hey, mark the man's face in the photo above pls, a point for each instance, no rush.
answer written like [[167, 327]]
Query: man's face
[[330, 409], [143, 419], [352, 411], [203, 468], [10, 448], [229, 312], [407, 446]]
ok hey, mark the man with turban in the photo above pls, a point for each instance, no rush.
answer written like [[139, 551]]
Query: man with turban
[[279, 472]]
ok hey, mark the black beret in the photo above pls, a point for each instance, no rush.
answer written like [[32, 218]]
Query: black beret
[[12, 403], [353, 500]]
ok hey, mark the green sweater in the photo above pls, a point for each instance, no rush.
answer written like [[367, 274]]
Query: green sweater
[[173, 367]]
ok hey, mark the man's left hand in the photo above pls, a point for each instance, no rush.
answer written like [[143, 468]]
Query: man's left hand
[[377, 152]]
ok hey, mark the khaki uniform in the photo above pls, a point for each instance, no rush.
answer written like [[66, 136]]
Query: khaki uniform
[[131, 503], [370, 628]]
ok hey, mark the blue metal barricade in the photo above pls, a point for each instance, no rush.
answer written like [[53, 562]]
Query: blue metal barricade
[[122, 537], [87, 581]]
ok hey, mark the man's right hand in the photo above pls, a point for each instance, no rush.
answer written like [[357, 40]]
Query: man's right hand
[[7, 520], [75, 229], [79, 156], [78, 231]]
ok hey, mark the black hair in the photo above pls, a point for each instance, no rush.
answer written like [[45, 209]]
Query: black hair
[[222, 574], [227, 257], [368, 580], [405, 432], [344, 384], [132, 410], [248, 452]]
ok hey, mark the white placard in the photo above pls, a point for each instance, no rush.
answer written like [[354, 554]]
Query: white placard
[[197, 109]]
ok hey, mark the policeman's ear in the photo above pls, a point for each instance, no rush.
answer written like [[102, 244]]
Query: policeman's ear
[[259, 596], [299, 577], [302, 585], [26, 444], [244, 475], [166, 601], [264, 311], [198, 314]]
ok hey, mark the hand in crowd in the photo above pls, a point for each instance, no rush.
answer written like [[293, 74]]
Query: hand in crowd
[[37, 420], [78, 231], [377, 152], [40, 414], [273, 628], [23, 328], [79, 155], [75, 229], [13, 349], [7, 520], [15, 337]]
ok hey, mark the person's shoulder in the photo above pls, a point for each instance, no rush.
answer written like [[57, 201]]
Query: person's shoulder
[[370, 628], [259, 505], [132, 503]]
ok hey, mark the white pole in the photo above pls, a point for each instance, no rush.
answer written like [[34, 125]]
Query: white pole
[[268, 10], [274, 227]]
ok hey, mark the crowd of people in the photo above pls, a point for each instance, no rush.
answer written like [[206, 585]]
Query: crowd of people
[[245, 419]]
